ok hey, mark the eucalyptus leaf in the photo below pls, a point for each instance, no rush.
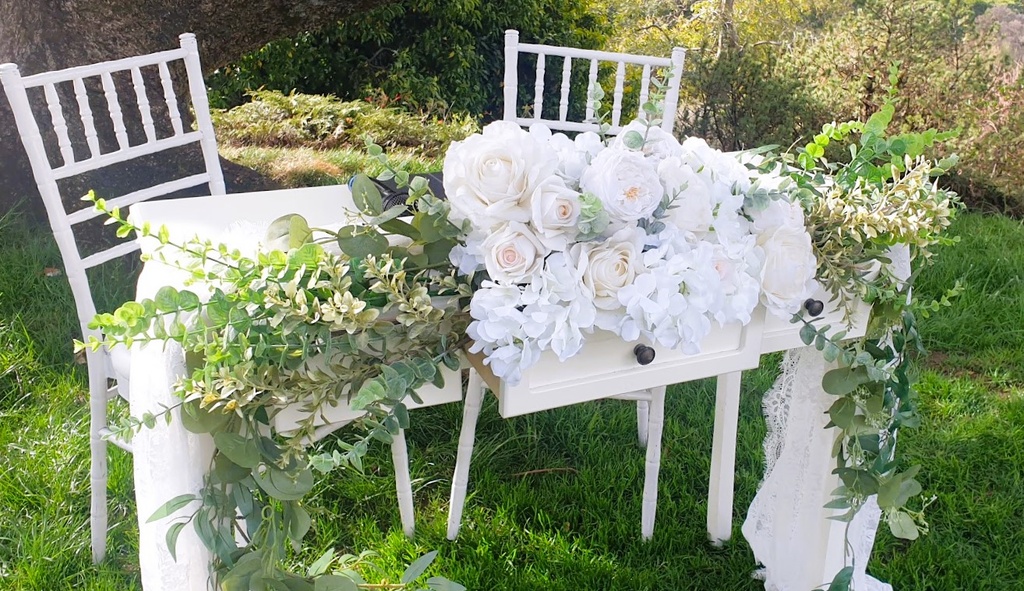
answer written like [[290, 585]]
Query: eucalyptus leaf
[[172, 506], [842, 580], [443, 584], [282, 485], [320, 565], [237, 579], [335, 583], [171, 537], [418, 567], [371, 391], [287, 232], [359, 243], [633, 140], [902, 525], [366, 195], [238, 448]]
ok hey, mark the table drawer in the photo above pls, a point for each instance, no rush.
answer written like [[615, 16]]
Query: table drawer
[[607, 366]]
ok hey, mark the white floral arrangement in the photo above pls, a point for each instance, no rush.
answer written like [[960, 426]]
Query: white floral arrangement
[[642, 236]]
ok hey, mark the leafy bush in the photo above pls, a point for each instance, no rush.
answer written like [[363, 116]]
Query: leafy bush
[[276, 119], [434, 56]]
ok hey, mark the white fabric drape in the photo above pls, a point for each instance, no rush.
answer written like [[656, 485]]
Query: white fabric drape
[[787, 526]]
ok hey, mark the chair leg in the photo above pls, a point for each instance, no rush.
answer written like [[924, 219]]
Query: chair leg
[[98, 456], [642, 417], [723, 457], [403, 484], [653, 464], [460, 480]]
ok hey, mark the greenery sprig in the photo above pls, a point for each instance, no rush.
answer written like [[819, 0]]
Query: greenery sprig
[[302, 325], [857, 211]]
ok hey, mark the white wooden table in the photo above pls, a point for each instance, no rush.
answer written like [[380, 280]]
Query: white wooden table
[[170, 460]]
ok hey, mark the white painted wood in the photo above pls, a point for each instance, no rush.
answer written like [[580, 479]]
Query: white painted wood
[[538, 89], [782, 335], [170, 99], [201, 108], [114, 108], [60, 126], [460, 479], [591, 87], [85, 111], [47, 175], [672, 92], [606, 367], [289, 418], [723, 457], [143, 102], [563, 104], [104, 160], [653, 463], [510, 87], [109, 254], [68, 74], [643, 414], [645, 84], [132, 198], [513, 48], [403, 484], [620, 77]]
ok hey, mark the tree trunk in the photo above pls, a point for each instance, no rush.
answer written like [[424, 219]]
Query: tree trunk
[[44, 35], [728, 38]]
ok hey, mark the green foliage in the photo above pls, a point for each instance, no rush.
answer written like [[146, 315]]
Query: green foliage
[[299, 325], [431, 56], [272, 118]]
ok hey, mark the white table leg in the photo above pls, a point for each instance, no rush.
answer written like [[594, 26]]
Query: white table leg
[[474, 398], [653, 464], [403, 484], [643, 410], [723, 457]]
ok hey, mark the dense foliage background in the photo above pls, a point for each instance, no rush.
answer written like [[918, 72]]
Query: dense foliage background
[[758, 71]]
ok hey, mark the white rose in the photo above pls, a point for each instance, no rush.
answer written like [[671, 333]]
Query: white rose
[[607, 267], [627, 184], [490, 177], [555, 209], [788, 270], [513, 254], [693, 209]]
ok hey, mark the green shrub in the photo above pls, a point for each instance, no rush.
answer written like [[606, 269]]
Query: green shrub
[[425, 55], [273, 119]]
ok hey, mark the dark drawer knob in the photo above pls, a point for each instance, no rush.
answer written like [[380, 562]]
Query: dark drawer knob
[[814, 307], [644, 354]]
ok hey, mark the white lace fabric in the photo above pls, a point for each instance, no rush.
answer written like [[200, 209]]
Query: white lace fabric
[[787, 526]]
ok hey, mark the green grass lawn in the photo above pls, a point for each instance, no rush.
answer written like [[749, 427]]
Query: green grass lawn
[[554, 497]]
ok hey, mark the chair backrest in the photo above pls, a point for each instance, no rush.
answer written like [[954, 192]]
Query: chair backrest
[[69, 164], [647, 64]]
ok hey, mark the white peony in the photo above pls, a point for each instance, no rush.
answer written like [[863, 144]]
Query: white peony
[[779, 212], [554, 210], [605, 268], [512, 254], [490, 177], [625, 182], [788, 269]]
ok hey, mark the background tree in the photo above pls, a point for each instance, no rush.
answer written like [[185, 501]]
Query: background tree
[[42, 35]]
